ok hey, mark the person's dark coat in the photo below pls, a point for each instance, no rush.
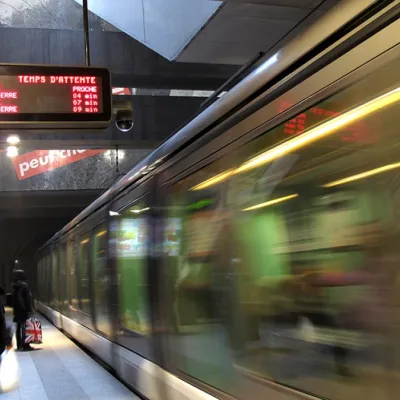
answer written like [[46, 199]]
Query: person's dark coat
[[22, 301]]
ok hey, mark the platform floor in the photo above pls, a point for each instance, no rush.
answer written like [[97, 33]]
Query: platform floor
[[59, 370]]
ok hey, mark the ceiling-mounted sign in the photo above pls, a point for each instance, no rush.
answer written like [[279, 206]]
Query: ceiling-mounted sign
[[35, 97]]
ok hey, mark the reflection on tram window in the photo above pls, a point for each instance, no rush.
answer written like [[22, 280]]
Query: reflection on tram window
[[293, 276], [54, 282], [72, 276], [172, 236], [129, 237], [63, 277], [101, 280], [42, 281], [46, 278], [84, 274], [195, 222]]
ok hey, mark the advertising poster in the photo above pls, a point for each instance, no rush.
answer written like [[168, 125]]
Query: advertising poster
[[131, 238], [64, 169], [40, 161]]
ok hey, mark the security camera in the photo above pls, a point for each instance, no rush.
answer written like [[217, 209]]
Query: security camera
[[123, 111], [124, 120]]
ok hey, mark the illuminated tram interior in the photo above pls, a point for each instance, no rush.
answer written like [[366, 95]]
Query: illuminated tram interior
[[306, 302]]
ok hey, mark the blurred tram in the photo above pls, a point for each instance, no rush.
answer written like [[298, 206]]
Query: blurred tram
[[254, 254]]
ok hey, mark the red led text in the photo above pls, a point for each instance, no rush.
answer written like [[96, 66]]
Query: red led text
[[58, 79], [31, 79], [85, 99], [76, 80], [8, 95], [8, 109], [84, 89]]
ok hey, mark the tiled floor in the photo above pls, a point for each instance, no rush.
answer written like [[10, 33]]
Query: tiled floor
[[59, 370]]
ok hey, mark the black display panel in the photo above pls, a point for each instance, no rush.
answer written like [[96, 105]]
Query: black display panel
[[34, 96]]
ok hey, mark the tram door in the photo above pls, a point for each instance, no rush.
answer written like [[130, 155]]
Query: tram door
[[131, 256], [101, 279]]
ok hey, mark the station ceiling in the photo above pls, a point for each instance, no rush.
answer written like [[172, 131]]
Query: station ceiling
[[226, 32], [209, 31], [240, 29]]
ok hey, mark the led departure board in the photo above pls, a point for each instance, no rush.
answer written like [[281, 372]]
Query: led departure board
[[49, 96]]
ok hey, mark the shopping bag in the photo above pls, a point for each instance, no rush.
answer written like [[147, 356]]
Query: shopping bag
[[9, 371], [33, 331]]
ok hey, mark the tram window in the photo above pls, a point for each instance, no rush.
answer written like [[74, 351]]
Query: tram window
[[49, 292], [42, 294], [101, 279], [44, 286], [54, 279], [63, 277], [84, 274], [40, 280], [299, 257], [72, 276], [129, 238], [45, 283], [192, 242]]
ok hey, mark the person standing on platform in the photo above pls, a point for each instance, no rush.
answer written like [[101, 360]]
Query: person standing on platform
[[22, 304]]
